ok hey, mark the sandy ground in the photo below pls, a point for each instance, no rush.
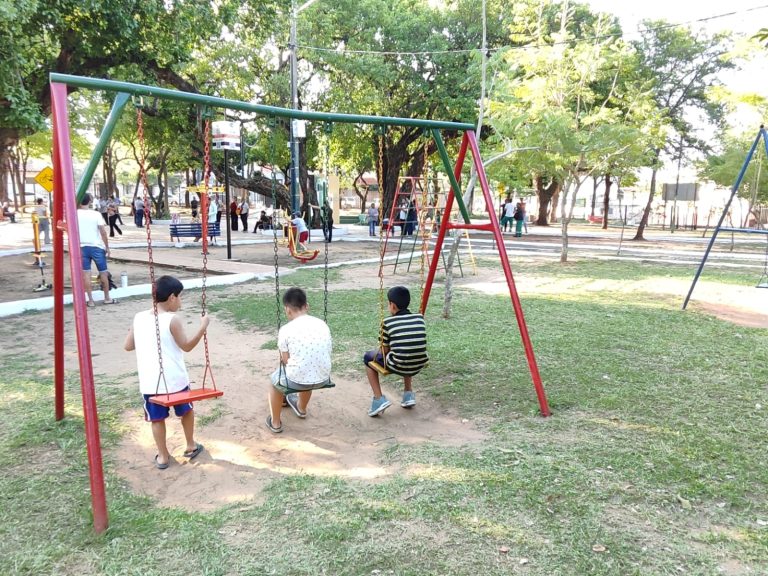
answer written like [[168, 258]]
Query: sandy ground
[[242, 456], [337, 438]]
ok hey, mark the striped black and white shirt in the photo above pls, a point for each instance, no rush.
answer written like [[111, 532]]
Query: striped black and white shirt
[[406, 336]]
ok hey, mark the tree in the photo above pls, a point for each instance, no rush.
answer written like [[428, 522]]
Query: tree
[[681, 68], [540, 36], [578, 103], [143, 40], [398, 58], [723, 169]]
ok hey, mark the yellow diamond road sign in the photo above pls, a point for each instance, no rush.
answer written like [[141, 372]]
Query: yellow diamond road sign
[[45, 178]]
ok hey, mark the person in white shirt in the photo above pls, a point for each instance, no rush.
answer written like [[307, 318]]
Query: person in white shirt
[[142, 338], [213, 218], [94, 246], [244, 209], [305, 359], [302, 232], [509, 212]]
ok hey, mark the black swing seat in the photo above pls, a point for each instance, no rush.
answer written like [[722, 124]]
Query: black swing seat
[[289, 390], [185, 396]]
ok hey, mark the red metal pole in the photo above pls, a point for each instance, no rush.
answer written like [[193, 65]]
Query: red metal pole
[[63, 166], [443, 226], [57, 214], [508, 274]]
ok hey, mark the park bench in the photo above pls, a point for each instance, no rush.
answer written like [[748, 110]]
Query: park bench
[[194, 230]]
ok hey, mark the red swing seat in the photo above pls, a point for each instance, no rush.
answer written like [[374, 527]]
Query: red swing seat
[[186, 396]]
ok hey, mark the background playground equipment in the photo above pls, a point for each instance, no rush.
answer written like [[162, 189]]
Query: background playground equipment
[[65, 201], [761, 135], [303, 256], [428, 197], [39, 256]]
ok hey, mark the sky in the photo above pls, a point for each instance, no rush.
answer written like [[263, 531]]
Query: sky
[[740, 16], [749, 14]]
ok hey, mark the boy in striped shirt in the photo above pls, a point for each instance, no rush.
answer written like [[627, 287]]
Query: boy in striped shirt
[[403, 350]]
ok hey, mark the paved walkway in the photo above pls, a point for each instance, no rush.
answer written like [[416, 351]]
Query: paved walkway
[[191, 259]]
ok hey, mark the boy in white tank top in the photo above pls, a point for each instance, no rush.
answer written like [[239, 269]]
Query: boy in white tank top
[[173, 343]]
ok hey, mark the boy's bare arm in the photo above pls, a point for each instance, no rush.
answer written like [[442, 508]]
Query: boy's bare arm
[[130, 343], [284, 356], [188, 344]]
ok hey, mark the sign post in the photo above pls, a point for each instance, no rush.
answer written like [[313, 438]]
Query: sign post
[[226, 136]]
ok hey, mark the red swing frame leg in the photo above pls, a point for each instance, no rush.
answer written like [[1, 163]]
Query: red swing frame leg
[[469, 141]]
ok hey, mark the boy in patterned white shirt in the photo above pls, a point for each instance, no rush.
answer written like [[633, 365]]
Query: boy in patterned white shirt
[[304, 344]]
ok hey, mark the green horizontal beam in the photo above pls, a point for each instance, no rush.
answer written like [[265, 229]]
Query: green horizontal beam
[[216, 102]]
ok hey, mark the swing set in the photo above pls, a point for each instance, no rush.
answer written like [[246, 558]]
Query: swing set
[[762, 134], [67, 196]]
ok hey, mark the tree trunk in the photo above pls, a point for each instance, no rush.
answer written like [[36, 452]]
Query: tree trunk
[[5, 171], [19, 155], [594, 197], [395, 155], [544, 194], [553, 208], [360, 194], [606, 200], [651, 194], [9, 139]]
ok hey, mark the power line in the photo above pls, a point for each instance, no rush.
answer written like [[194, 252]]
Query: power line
[[346, 52]]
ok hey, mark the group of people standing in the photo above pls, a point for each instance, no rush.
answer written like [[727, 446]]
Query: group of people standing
[[110, 212], [239, 210], [513, 212]]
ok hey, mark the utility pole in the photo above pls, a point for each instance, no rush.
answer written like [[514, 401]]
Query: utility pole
[[295, 132], [294, 144]]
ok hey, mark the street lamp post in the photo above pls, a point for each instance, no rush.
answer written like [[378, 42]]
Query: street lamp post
[[294, 143]]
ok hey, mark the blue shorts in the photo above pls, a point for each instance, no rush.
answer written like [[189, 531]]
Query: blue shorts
[[98, 255], [157, 413]]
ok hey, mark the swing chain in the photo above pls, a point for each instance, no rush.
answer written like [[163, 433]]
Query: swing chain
[[381, 131], [204, 296], [143, 176], [324, 216], [425, 234]]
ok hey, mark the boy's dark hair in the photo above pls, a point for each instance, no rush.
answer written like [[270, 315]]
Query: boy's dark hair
[[165, 286], [87, 198], [296, 298], [39, 200], [399, 296]]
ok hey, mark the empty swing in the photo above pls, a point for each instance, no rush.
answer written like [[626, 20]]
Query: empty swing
[[169, 399], [763, 282]]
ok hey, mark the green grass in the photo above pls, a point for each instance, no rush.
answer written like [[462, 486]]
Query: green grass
[[656, 452]]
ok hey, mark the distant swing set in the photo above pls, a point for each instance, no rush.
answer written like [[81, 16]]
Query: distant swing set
[[65, 203], [762, 134]]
